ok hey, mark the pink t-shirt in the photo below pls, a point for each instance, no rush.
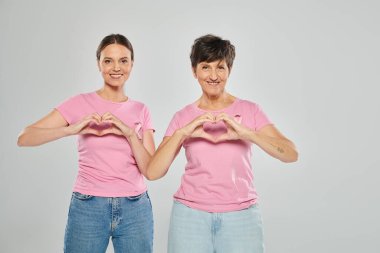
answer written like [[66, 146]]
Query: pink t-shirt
[[218, 177], [107, 167]]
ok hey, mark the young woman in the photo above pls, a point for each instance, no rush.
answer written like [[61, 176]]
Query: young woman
[[215, 208], [115, 144]]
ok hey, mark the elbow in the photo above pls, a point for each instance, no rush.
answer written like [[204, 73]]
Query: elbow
[[150, 178], [151, 174], [24, 138], [291, 158], [148, 175], [21, 140]]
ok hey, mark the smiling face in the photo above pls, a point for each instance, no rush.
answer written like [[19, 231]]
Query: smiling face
[[212, 76], [115, 64]]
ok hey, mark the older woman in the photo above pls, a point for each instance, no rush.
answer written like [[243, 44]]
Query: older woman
[[215, 208], [115, 144]]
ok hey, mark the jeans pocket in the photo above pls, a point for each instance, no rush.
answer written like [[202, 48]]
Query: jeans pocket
[[137, 197], [81, 196]]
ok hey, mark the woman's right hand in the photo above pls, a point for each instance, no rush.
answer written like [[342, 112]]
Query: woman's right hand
[[194, 129], [83, 126]]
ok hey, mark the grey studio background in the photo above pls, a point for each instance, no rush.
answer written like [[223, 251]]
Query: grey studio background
[[312, 65]]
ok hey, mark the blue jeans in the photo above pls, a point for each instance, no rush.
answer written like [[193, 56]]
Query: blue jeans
[[198, 231], [92, 221]]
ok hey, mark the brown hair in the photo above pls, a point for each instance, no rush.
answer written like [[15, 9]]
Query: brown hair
[[209, 48], [114, 39]]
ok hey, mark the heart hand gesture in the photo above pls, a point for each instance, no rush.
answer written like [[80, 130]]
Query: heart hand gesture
[[100, 125], [217, 128]]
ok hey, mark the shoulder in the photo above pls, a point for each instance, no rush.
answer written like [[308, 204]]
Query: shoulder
[[137, 104], [74, 99], [83, 96], [137, 107], [185, 111], [247, 105]]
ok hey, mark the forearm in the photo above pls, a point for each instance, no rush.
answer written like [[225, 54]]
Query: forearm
[[141, 154], [164, 156], [280, 148], [34, 136]]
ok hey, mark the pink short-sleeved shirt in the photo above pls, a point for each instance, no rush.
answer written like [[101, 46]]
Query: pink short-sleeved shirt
[[107, 167], [218, 177]]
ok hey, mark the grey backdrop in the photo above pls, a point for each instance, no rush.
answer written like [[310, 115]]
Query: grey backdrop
[[312, 65]]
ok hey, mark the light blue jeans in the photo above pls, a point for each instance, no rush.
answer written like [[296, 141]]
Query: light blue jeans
[[198, 231], [92, 221]]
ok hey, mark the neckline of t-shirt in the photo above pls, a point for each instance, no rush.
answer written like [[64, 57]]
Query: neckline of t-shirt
[[195, 106], [108, 101]]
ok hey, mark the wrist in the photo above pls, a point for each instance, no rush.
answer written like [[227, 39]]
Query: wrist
[[250, 135], [131, 135], [68, 130], [181, 133]]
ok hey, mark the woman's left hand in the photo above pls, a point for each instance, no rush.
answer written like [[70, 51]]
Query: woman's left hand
[[117, 126], [235, 130]]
